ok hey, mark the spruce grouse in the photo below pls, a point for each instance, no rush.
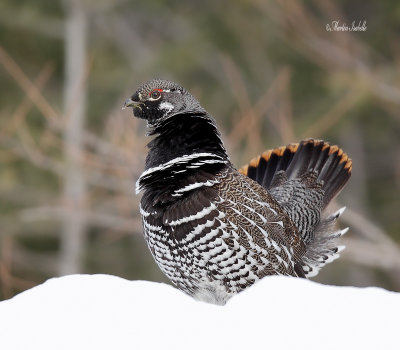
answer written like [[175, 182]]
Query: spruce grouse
[[214, 230]]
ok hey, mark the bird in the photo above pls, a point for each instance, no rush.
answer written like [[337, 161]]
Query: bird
[[214, 230]]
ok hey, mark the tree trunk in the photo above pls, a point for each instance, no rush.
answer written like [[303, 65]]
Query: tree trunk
[[73, 228]]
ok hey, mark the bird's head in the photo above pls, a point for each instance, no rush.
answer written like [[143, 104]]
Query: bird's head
[[158, 100]]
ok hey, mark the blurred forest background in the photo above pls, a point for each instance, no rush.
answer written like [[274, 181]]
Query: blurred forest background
[[270, 73]]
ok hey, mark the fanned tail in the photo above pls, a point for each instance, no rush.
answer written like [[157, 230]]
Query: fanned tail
[[304, 177], [332, 165]]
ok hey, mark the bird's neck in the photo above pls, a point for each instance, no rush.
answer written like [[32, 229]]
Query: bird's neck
[[184, 145], [184, 135]]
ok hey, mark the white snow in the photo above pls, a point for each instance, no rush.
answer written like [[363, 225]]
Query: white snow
[[107, 312]]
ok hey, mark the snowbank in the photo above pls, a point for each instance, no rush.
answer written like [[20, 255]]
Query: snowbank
[[107, 312]]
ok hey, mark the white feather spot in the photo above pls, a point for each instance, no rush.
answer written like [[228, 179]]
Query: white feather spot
[[191, 187], [166, 106], [196, 216]]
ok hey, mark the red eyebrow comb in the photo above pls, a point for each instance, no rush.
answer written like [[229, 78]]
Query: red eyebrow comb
[[161, 90]]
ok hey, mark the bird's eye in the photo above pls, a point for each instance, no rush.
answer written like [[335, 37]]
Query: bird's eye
[[155, 94]]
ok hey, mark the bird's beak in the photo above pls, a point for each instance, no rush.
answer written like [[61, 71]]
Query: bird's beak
[[130, 103]]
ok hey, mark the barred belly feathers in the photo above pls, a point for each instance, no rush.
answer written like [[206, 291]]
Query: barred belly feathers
[[214, 230]]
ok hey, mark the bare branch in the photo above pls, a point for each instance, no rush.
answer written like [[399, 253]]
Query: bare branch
[[95, 219], [30, 89]]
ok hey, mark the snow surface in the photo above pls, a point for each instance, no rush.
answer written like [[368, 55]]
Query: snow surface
[[108, 312]]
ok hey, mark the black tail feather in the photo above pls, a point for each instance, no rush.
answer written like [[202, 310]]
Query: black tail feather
[[331, 165]]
